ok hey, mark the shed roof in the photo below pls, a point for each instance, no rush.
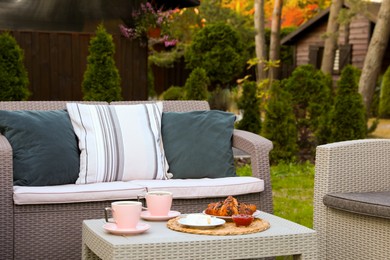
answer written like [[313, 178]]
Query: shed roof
[[371, 12]]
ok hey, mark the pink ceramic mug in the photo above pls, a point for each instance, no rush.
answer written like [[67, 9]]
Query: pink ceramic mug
[[126, 214], [158, 202]]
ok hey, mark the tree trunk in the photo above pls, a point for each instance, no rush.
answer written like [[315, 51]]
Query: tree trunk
[[330, 44], [375, 53], [274, 52], [260, 39]]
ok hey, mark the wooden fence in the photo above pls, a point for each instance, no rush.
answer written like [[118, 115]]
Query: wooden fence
[[171, 76], [56, 62]]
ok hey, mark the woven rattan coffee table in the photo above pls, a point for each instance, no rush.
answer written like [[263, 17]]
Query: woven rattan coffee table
[[159, 242]]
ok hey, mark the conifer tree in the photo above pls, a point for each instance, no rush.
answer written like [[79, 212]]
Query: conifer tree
[[279, 125], [174, 93], [384, 101], [348, 118], [250, 103], [13, 75], [310, 90], [219, 50], [196, 85], [101, 79]]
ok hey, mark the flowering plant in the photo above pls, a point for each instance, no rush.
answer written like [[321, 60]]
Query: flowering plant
[[145, 19]]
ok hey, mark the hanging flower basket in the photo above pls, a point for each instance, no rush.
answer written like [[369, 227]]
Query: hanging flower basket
[[154, 32], [150, 25]]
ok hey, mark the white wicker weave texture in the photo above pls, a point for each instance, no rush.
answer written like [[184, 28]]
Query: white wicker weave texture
[[351, 166], [283, 238]]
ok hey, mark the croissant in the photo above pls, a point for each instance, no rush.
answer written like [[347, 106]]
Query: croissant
[[230, 206], [214, 208]]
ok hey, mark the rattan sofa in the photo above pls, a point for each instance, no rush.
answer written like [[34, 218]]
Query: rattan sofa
[[53, 231], [352, 199]]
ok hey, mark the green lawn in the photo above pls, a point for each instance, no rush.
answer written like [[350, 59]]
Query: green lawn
[[292, 191], [292, 188], [293, 184]]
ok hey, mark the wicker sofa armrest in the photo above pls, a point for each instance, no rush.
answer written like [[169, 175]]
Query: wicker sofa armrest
[[6, 177], [352, 166], [6, 199], [258, 148], [349, 166]]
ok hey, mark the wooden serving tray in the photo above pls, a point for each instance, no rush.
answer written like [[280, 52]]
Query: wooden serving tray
[[229, 228]]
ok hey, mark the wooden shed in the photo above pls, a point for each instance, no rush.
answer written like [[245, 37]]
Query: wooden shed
[[353, 40]]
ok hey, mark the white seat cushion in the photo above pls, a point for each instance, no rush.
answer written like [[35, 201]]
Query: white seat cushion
[[119, 190], [70, 193], [205, 187]]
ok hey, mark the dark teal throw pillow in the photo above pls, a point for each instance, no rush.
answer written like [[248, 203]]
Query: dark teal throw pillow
[[198, 144], [45, 147]]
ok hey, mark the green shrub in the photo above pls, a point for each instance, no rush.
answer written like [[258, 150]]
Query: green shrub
[[151, 89], [279, 125], [196, 85], [374, 107], [219, 50], [310, 90], [249, 102], [220, 99], [101, 79], [174, 93], [348, 117], [384, 102], [13, 75]]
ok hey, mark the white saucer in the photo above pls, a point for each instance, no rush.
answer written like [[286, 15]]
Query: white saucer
[[214, 222], [171, 214], [113, 229]]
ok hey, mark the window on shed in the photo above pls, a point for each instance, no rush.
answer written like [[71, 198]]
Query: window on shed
[[315, 56], [341, 59]]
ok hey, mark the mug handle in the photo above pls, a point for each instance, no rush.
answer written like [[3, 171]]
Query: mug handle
[[106, 214], [139, 198]]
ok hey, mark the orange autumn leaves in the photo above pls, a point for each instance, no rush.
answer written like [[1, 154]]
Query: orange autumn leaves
[[294, 12]]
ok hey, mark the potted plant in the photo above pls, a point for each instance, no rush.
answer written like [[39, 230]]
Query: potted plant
[[149, 23]]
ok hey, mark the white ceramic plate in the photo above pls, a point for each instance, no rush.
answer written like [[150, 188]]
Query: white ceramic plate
[[214, 223], [113, 229], [146, 215], [229, 218]]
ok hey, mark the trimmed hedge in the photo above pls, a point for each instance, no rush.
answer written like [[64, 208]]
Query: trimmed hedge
[[101, 79], [13, 75]]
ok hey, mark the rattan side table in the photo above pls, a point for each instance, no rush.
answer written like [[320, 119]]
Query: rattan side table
[[159, 242]]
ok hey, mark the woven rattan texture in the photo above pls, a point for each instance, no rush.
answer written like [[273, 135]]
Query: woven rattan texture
[[6, 202], [283, 238], [259, 148], [177, 106], [351, 166], [229, 228], [54, 231]]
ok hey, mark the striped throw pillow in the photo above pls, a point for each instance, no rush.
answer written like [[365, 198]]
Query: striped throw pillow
[[119, 142]]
